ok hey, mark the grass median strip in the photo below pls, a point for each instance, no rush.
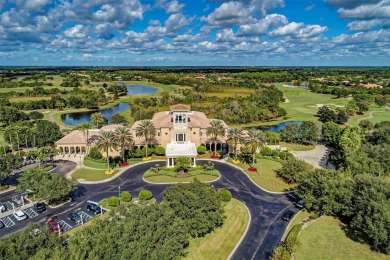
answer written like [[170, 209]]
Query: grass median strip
[[168, 179]]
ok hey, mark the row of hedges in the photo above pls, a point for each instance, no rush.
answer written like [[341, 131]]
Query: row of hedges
[[172, 173], [266, 151], [125, 196], [286, 249]]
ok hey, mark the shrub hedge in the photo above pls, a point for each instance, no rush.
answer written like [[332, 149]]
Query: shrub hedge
[[125, 196], [145, 195]]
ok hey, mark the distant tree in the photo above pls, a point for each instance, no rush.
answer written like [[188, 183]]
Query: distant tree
[[326, 114], [118, 119], [380, 100], [215, 130], [290, 133], [293, 170], [235, 137], [147, 130], [363, 106], [350, 140], [106, 142], [123, 139], [342, 115], [254, 142], [35, 115], [98, 119], [331, 132], [308, 132]]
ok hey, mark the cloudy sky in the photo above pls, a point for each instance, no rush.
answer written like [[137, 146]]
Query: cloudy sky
[[195, 32]]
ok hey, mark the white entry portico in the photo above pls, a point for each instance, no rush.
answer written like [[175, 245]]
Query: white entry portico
[[186, 149]]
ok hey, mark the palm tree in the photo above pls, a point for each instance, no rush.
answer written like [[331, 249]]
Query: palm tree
[[235, 137], [105, 142], [123, 139], [215, 130], [97, 118], [8, 132], [254, 142], [85, 127], [147, 130], [2, 132]]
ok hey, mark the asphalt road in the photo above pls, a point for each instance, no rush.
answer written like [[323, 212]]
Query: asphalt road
[[266, 227]]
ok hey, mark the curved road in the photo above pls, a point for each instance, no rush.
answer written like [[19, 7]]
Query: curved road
[[266, 228]]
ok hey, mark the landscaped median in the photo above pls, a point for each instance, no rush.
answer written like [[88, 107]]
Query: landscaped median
[[265, 176], [158, 174], [92, 174]]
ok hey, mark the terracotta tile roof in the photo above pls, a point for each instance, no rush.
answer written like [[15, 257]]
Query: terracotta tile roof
[[180, 108], [110, 127], [77, 137]]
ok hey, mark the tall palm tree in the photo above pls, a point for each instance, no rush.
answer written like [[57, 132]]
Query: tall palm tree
[[235, 137], [98, 119], [84, 128], [8, 132], [105, 142], [215, 130], [146, 130], [123, 138], [254, 142]]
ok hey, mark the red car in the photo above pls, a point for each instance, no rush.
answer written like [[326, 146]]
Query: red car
[[54, 226]]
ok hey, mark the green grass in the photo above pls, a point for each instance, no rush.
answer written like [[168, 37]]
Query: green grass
[[325, 239], [167, 179], [220, 243], [301, 215], [266, 175], [297, 147], [25, 99], [94, 164], [91, 174]]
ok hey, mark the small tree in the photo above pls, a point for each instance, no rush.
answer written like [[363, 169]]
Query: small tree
[[95, 154], [182, 163], [112, 201], [145, 195], [159, 150], [125, 196], [225, 195], [201, 149]]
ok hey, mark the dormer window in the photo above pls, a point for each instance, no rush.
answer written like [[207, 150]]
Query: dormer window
[[180, 118]]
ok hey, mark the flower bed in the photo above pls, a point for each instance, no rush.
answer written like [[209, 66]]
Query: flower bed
[[109, 172], [252, 169], [236, 161], [123, 164], [146, 158], [214, 156]]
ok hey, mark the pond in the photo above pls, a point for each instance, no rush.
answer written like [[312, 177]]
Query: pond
[[140, 90], [276, 128], [77, 118]]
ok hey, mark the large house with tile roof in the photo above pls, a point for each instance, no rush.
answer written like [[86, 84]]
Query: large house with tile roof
[[180, 131]]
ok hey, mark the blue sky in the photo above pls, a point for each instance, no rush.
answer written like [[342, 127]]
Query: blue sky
[[194, 33]]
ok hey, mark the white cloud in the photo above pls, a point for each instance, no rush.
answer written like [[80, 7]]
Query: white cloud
[[176, 22], [228, 14], [363, 38], [174, 7], [309, 7], [367, 11], [77, 31], [298, 30], [263, 26], [36, 5], [368, 25]]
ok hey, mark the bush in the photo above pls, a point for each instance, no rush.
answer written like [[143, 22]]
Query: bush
[[291, 240], [145, 195], [266, 151], [201, 149], [275, 154], [95, 154], [125, 196], [283, 155], [6, 148], [138, 153], [209, 166], [225, 195], [150, 151], [159, 150], [112, 201]]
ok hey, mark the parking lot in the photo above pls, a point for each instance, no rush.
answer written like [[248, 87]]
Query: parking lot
[[11, 224]]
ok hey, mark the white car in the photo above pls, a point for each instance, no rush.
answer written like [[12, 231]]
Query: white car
[[20, 215], [2, 207]]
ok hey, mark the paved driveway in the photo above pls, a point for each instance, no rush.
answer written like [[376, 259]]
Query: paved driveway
[[266, 228]]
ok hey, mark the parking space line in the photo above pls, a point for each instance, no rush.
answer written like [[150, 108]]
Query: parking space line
[[65, 226], [8, 222], [85, 216], [30, 212], [8, 205]]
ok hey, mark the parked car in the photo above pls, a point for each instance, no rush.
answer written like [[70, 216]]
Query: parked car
[[287, 215], [76, 218], [94, 208], [1, 224], [54, 226], [2, 207], [40, 207], [300, 204], [20, 215]]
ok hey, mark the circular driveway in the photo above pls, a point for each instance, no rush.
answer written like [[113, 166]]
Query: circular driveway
[[266, 228]]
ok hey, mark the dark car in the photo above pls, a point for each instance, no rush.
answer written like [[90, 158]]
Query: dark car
[[287, 215], [40, 207], [94, 208], [1, 224], [300, 204], [76, 218]]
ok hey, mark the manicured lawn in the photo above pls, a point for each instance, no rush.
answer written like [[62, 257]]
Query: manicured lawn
[[219, 244], [25, 99], [297, 147], [301, 215], [94, 164], [167, 179], [91, 174], [266, 175], [325, 239]]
